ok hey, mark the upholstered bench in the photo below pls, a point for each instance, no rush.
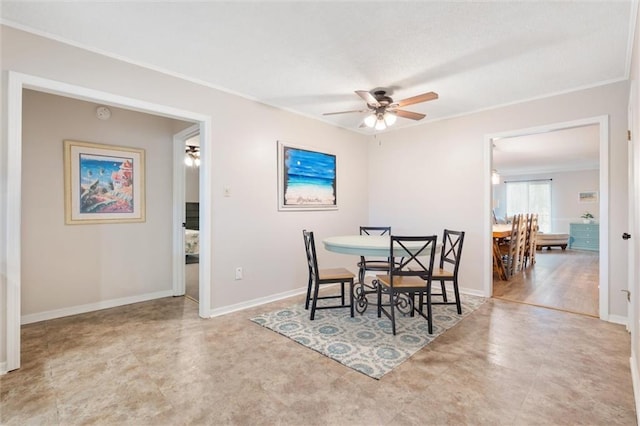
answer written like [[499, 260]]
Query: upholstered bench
[[551, 240]]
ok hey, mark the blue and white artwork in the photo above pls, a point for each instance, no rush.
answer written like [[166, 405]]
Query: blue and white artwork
[[308, 178]]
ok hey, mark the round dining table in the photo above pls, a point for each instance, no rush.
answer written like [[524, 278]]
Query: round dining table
[[367, 245], [375, 246]]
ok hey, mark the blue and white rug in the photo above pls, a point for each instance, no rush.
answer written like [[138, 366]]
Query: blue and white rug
[[365, 342]]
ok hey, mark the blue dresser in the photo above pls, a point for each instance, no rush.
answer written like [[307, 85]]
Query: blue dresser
[[584, 236]]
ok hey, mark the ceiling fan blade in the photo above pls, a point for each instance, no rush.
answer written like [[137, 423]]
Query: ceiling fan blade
[[429, 96], [345, 112], [410, 115], [368, 97]]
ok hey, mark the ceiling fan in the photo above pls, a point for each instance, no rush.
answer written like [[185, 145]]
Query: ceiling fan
[[384, 111]]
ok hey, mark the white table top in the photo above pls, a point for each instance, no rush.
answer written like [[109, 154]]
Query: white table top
[[365, 245]]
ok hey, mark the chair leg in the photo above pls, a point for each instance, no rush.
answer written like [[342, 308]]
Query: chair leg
[[379, 300], [457, 295], [393, 313], [306, 303], [351, 285], [342, 293], [315, 301], [444, 291], [429, 311]]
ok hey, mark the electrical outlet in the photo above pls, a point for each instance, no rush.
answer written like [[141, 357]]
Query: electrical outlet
[[239, 273]]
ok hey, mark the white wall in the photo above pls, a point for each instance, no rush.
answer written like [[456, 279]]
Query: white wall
[[565, 186], [192, 184], [432, 176], [70, 265], [247, 229]]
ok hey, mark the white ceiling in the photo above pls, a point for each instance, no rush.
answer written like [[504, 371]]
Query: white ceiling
[[309, 57], [558, 151]]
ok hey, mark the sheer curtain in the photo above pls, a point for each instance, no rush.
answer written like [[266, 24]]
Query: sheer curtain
[[531, 197]]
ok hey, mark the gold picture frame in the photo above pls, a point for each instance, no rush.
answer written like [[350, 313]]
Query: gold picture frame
[[103, 183]]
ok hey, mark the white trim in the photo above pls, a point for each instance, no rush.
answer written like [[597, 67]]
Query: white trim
[[618, 319], [90, 307], [603, 122], [13, 218], [16, 83], [472, 292], [3, 368], [206, 219], [635, 379], [256, 302]]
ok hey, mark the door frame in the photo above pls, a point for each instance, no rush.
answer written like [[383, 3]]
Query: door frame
[[603, 122], [16, 83]]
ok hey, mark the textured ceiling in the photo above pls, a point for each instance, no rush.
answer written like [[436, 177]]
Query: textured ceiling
[[309, 57]]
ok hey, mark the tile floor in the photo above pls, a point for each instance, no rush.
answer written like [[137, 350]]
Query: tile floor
[[157, 363]]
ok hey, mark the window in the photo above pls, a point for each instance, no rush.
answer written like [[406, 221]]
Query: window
[[531, 197]]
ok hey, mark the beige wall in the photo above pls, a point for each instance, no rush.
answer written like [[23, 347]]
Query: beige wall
[[247, 228], [192, 184], [438, 170], [70, 265]]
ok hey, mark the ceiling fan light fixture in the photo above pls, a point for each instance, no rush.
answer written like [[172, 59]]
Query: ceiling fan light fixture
[[495, 177], [380, 124], [390, 118], [370, 120]]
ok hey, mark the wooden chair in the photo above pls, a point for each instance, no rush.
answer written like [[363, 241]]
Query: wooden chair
[[372, 264], [512, 250], [410, 281], [531, 241], [318, 277], [449, 264]]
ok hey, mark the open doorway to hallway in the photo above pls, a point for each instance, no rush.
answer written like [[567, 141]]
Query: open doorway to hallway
[[564, 276], [192, 217]]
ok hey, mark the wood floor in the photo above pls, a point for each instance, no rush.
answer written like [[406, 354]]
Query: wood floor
[[565, 280]]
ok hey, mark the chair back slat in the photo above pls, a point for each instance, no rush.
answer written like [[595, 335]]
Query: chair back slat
[[409, 259], [375, 230], [310, 248], [451, 249]]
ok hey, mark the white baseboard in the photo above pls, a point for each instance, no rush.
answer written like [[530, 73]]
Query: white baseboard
[[618, 319], [472, 292], [256, 302], [636, 383], [3, 368], [90, 307]]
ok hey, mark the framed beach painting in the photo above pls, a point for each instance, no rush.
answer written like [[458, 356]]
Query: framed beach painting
[[306, 179], [103, 183]]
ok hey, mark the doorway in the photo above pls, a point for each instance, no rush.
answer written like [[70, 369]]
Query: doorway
[[600, 270], [16, 83]]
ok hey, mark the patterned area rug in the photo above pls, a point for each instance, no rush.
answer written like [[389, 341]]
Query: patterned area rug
[[365, 342]]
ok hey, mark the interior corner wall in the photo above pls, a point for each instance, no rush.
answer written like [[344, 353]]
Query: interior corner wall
[[64, 266], [565, 205]]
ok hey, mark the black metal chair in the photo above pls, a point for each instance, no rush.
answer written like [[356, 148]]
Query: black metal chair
[[449, 265], [318, 277], [419, 253], [376, 265]]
